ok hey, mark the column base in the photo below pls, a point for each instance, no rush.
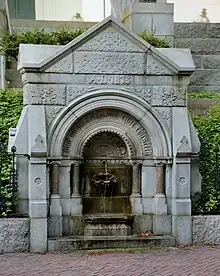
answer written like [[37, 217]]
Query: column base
[[76, 205], [38, 235], [162, 225], [136, 203], [182, 229], [159, 205], [55, 219]]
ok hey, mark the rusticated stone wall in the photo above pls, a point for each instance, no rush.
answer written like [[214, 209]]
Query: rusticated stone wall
[[14, 235], [203, 39], [206, 229]]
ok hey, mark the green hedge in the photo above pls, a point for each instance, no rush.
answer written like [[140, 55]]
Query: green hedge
[[9, 44], [208, 127], [10, 111]]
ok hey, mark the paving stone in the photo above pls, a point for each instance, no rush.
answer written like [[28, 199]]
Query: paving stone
[[192, 261]]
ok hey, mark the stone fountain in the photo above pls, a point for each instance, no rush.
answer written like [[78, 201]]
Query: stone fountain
[[107, 223]]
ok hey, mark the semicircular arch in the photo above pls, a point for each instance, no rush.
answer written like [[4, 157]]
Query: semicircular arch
[[132, 105]]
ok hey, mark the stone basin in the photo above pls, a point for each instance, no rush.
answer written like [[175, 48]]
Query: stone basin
[[108, 225]]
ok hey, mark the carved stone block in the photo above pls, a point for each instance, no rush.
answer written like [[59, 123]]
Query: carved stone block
[[166, 115], [46, 94], [110, 40], [109, 63], [155, 67], [145, 93], [169, 96], [64, 65], [51, 113]]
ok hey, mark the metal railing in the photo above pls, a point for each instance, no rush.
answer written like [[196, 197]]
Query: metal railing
[[8, 181]]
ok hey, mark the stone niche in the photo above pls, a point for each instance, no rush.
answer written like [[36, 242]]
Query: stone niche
[[105, 141]]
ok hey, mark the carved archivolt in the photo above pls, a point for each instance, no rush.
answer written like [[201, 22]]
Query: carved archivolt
[[121, 124]]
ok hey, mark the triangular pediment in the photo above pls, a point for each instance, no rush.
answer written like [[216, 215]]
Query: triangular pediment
[[112, 37]]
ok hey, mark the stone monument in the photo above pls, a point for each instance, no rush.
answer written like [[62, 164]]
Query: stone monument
[[105, 133], [152, 16]]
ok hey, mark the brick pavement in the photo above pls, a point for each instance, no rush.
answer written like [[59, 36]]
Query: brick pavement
[[195, 261]]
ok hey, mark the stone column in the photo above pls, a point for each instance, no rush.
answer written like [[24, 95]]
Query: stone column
[[161, 222], [76, 180], [55, 179], [136, 180], [76, 204], [160, 179], [136, 203], [55, 219]]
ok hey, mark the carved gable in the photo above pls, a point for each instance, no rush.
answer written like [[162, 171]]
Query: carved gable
[[110, 40], [109, 48]]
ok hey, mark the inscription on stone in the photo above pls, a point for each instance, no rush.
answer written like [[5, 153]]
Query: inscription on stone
[[48, 94], [109, 79], [109, 63]]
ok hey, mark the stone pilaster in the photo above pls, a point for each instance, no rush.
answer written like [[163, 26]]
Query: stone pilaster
[[161, 222], [181, 202], [38, 204], [76, 204], [55, 219], [136, 202]]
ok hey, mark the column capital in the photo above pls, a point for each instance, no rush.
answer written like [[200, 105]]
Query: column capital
[[55, 163], [160, 162]]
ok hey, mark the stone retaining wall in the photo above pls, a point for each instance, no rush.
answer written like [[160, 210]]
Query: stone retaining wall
[[206, 229], [203, 39], [14, 235], [14, 232]]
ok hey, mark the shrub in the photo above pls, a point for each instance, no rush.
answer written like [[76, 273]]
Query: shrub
[[10, 111], [208, 127], [9, 44], [154, 41]]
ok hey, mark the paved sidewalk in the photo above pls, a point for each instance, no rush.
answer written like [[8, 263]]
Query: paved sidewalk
[[195, 261]]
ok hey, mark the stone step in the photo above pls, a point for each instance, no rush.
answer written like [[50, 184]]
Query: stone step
[[70, 244]]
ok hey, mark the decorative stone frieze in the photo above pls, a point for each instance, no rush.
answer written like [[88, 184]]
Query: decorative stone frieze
[[45, 94], [110, 40], [109, 63], [155, 67], [169, 96], [63, 65]]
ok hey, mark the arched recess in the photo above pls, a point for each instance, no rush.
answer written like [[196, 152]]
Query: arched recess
[[105, 120], [123, 101]]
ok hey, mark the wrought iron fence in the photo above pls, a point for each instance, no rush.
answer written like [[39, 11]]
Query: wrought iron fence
[[8, 181]]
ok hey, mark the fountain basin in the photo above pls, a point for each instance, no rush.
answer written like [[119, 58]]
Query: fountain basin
[[108, 225]]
